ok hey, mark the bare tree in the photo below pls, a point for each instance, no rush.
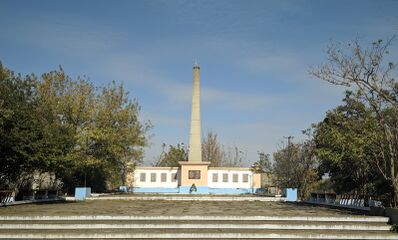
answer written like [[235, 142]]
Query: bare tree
[[234, 157], [372, 74], [212, 150]]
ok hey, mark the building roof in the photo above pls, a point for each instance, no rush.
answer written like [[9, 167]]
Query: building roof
[[230, 168], [156, 168]]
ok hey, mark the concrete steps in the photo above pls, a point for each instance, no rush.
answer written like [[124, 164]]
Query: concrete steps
[[194, 227]]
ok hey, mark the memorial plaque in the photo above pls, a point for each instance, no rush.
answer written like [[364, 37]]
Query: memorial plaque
[[194, 174]]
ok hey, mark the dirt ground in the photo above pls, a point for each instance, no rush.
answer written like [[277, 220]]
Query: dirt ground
[[169, 208]]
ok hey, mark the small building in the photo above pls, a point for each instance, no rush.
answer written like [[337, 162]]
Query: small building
[[208, 180]]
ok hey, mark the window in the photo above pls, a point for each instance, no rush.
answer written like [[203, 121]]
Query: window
[[194, 174], [215, 177], [142, 177], [245, 177], [153, 177], [163, 177], [235, 177], [174, 177], [225, 177]]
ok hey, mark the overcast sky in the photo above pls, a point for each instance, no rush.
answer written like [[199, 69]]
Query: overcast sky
[[254, 58]]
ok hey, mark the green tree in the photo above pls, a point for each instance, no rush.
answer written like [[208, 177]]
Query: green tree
[[295, 166], [263, 164], [69, 128], [96, 131], [23, 147], [345, 142], [67, 110], [371, 74], [172, 156], [117, 137]]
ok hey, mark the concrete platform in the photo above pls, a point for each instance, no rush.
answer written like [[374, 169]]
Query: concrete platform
[[172, 208], [191, 198]]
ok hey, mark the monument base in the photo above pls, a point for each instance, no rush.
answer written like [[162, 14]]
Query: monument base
[[194, 173], [199, 190]]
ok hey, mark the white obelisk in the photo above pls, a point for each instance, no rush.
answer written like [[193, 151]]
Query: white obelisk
[[195, 144]]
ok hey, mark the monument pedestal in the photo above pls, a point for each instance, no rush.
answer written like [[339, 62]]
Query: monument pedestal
[[194, 173], [200, 190]]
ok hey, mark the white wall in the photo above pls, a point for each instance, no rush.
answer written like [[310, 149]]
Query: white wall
[[230, 183], [170, 184], [158, 171]]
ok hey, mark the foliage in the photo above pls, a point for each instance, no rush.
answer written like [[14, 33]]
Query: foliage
[[263, 164], [22, 144], [345, 142], [116, 138], [172, 156], [394, 228], [295, 166], [371, 75], [66, 108], [69, 128]]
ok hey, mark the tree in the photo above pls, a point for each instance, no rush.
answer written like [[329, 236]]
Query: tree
[[345, 141], [212, 150], [295, 166], [67, 128], [263, 164], [285, 164], [116, 137], [372, 76], [215, 153], [67, 110], [22, 144], [172, 156], [234, 157]]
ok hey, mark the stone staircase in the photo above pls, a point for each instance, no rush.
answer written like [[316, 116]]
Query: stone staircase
[[195, 227]]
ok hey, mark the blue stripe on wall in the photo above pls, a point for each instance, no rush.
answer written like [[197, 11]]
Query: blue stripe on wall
[[154, 190], [200, 190], [231, 190]]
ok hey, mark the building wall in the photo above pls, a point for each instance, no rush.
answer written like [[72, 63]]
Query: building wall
[[162, 179], [257, 180], [230, 178]]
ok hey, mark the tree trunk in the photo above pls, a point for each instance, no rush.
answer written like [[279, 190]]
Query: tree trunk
[[394, 196]]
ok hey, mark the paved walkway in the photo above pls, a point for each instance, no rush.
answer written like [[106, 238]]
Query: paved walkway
[[170, 208], [224, 198]]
